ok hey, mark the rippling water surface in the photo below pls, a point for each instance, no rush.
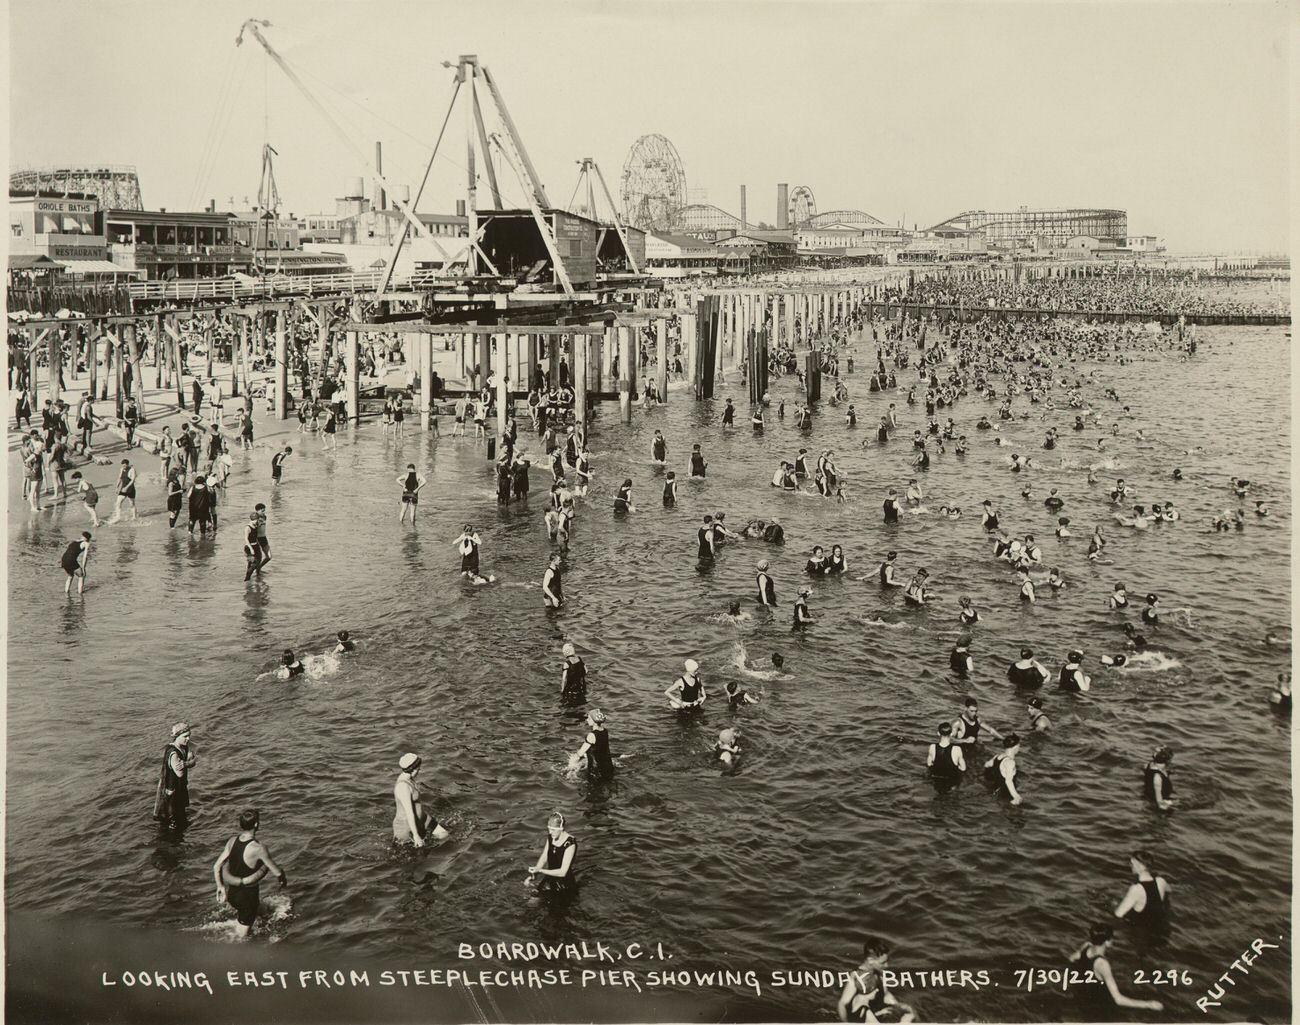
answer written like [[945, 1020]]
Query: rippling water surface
[[828, 831]]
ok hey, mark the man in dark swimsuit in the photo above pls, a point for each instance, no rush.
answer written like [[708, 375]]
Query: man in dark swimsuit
[[243, 864]]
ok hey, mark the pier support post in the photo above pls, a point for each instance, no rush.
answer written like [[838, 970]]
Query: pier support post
[[661, 357], [580, 352], [92, 357], [425, 342], [159, 362], [245, 355], [54, 358], [626, 374], [353, 372], [281, 368], [606, 358], [180, 376], [236, 355], [503, 381], [690, 344]]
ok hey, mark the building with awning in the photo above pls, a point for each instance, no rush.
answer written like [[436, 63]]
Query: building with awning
[[100, 270]]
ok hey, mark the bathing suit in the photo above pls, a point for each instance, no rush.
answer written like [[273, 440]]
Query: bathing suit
[[766, 589], [243, 897], [945, 763], [599, 761], [706, 547], [1166, 787], [994, 773], [690, 693], [410, 496], [575, 677]]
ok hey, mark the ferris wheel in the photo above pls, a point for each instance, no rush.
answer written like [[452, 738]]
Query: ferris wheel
[[654, 184], [802, 206]]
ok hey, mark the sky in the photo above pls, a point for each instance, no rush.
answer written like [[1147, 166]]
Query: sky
[[1175, 112]]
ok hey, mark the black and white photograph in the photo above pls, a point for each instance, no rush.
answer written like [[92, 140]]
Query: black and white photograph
[[650, 511]]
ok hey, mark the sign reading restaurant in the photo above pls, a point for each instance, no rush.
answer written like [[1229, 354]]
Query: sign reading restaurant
[[79, 252]]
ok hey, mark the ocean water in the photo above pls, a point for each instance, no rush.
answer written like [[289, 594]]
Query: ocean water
[[828, 830]]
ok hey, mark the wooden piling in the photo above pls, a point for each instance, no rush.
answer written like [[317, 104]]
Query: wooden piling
[[281, 368], [661, 357]]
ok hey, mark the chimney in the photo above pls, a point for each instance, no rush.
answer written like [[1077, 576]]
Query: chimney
[[212, 206], [783, 206], [460, 208], [379, 166], [744, 223]]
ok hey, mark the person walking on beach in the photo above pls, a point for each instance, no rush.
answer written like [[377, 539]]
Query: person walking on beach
[[412, 824], [173, 795], [75, 558], [243, 864]]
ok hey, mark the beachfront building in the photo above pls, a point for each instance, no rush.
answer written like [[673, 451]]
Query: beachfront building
[[259, 229], [1039, 229], [681, 256], [67, 229], [767, 250], [170, 245]]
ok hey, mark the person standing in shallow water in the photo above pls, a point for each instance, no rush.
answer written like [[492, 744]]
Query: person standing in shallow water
[[1144, 904], [410, 482], [412, 824], [172, 800], [595, 748], [243, 864], [555, 864]]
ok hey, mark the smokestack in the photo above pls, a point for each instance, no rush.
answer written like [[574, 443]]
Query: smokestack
[[783, 206], [744, 222], [379, 166], [212, 206], [460, 208]]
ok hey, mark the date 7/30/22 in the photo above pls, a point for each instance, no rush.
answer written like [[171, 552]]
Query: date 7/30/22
[[1030, 979]]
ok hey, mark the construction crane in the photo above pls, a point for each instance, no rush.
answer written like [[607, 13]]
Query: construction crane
[[587, 170], [509, 145]]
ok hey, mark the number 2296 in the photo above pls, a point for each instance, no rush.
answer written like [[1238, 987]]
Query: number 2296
[[1163, 977]]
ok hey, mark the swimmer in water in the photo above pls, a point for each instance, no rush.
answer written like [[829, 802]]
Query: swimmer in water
[[944, 759], [727, 748], [623, 501], [670, 489], [1092, 956], [658, 448], [1280, 699], [1054, 580], [1261, 508], [969, 615], [573, 675], [595, 748], [687, 691], [1118, 600], [412, 824], [865, 997], [766, 585], [1028, 673], [886, 571], [967, 726], [959, 659], [290, 666], [345, 644], [1156, 783], [1027, 588], [1038, 720], [1150, 615], [1072, 679], [1001, 769], [917, 591], [736, 696], [802, 617], [1144, 903], [698, 465]]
